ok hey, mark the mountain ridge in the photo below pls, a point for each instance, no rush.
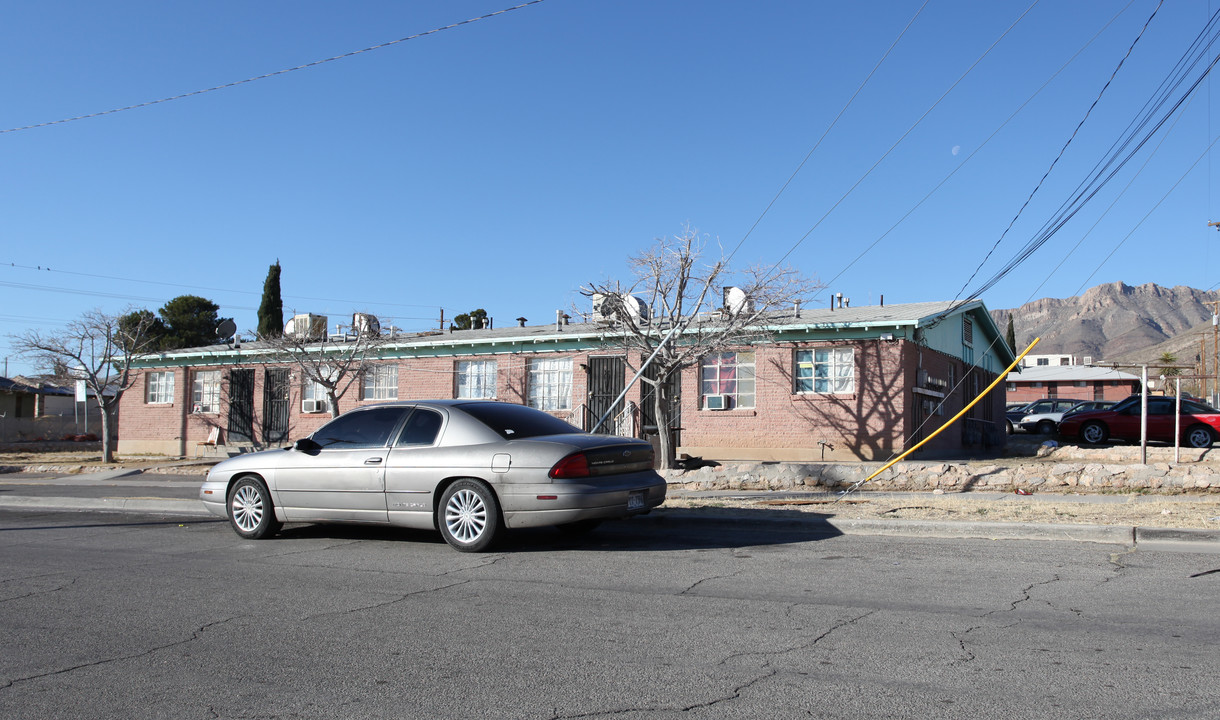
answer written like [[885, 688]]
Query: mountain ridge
[[1116, 322]]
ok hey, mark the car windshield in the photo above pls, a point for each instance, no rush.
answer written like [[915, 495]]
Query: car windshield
[[513, 422]]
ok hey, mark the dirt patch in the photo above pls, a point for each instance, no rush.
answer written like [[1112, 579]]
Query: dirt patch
[[1185, 511]]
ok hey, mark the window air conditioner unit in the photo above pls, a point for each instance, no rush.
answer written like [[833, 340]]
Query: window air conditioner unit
[[716, 402], [313, 406]]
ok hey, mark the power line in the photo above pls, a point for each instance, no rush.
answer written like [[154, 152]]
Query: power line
[[830, 127], [277, 72], [354, 303]]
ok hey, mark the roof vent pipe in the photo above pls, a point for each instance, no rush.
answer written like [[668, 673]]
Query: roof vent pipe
[[521, 322], [839, 297], [882, 301], [558, 320], [796, 309]]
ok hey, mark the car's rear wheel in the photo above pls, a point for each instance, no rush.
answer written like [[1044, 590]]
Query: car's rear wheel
[[251, 512], [1046, 427], [1200, 436], [469, 516], [1094, 432]]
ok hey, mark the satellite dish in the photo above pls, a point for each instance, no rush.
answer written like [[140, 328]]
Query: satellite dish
[[226, 329]]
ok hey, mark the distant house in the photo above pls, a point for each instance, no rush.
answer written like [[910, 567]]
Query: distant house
[[1080, 382], [826, 383]]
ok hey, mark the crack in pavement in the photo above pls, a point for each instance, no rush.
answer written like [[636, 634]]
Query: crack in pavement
[[118, 658], [374, 606], [49, 591]]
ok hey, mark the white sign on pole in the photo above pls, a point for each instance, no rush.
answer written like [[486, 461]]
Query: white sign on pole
[[81, 394]]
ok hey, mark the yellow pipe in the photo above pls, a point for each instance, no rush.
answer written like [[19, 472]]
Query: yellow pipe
[[954, 419]]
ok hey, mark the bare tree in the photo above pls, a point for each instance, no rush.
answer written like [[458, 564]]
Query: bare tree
[[331, 363], [687, 313], [99, 349]]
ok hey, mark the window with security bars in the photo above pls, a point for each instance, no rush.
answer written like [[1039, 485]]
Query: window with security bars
[[826, 371], [476, 379], [205, 392], [726, 380], [380, 383], [550, 383], [159, 388]]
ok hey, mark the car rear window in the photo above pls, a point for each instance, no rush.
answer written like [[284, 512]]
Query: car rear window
[[513, 422]]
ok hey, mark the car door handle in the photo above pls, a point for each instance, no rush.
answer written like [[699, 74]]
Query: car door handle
[[373, 461]]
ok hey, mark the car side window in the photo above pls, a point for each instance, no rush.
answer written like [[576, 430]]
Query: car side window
[[1160, 407], [421, 429], [360, 429]]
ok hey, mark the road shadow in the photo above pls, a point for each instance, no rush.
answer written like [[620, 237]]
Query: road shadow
[[668, 529]]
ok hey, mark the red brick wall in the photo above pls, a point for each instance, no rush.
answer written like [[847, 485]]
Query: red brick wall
[[873, 422]]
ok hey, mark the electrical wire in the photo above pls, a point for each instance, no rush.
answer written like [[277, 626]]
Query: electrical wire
[[285, 71], [905, 134], [830, 127], [978, 149]]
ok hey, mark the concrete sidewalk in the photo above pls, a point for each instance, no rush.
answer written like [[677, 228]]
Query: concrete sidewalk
[[147, 492]]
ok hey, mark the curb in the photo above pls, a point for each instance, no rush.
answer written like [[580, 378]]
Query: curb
[[1150, 538], [153, 506]]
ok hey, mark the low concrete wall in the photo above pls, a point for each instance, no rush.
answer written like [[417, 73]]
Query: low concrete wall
[[1064, 469]]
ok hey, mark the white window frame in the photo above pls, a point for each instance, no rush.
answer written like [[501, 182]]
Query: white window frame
[[550, 384], [159, 387], [730, 374], [476, 379], [205, 392], [380, 382], [825, 371], [311, 390]]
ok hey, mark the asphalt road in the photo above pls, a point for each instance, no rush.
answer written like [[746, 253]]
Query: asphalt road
[[126, 616]]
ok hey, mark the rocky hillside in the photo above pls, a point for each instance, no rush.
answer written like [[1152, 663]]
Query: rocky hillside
[[1116, 322]]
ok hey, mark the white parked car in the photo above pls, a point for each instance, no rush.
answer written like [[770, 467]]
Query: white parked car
[[1046, 423]]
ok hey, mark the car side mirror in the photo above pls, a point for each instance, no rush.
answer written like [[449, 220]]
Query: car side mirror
[[306, 445]]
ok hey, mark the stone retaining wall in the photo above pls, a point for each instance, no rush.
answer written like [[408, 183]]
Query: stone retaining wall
[[1055, 469]]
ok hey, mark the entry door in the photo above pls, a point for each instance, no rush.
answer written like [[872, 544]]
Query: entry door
[[241, 406], [606, 379], [276, 403]]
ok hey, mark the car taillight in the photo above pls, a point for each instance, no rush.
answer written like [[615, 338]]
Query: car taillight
[[573, 466]]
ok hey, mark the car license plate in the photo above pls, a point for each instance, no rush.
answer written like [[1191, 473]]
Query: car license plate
[[635, 501]]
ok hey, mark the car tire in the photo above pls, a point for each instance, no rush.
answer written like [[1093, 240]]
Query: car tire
[[251, 512], [580, 527], [1008, 426], [1046, 427], [468, 516], [1094, 432], [1200, 436]]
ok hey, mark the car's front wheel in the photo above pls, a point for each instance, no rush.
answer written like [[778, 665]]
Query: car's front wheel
[[469, 517], [1046, 427], [1094, 432], [1200, 436], [250, 509]]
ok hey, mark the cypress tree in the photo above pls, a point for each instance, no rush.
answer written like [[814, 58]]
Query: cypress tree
[[1010, 336], [271, 309]]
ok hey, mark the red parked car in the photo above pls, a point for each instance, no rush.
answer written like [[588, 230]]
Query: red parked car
[[1200, 424]]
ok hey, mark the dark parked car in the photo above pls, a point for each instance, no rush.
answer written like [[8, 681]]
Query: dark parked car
[[467, 469], [1200, 424]]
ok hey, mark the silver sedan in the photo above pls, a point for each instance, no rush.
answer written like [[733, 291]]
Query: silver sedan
[[466, 468]]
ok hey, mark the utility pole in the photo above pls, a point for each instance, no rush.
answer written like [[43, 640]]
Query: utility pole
[[1216, 347]]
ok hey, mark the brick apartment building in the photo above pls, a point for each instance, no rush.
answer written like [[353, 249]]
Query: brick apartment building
[[828, 383], [1077, 382]]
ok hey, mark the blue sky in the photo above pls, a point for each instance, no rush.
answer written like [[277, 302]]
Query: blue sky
[[503, 163]]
